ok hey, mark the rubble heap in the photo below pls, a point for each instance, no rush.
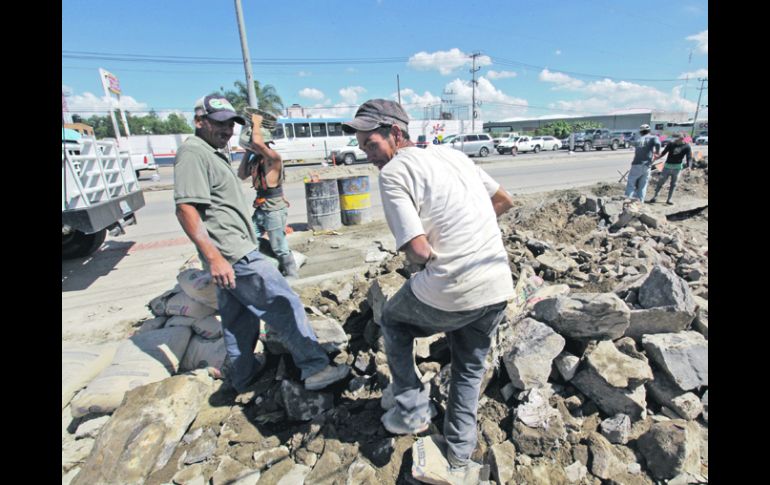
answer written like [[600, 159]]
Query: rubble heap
[[599, 373]]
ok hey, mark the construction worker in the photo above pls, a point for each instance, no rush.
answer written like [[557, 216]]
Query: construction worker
[[213, 212], [271, 209], [645, 146], [441, 209], [677, 150]]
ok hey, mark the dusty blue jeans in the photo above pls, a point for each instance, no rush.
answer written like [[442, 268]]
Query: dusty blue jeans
[[469, 334], [261, 292], [638, 178], [274, 224]]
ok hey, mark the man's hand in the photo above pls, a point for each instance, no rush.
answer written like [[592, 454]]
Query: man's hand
[[256, 129], [222, 273]]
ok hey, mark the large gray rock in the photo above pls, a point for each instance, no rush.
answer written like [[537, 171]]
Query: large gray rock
[[682, 356], [231, 472], [567, 365], [671, 447], [144, 431], [301, 404], [617, 429], [614, 381], [382, 289], [277, 473], [557, 261], [663, 390], [529, 360], [266, 458], [328, 470], [586, 316], [502, 461], [701, 322], [668, 319], [615, 463], [331, 336], [202, 448], [664, 288], [295, 475]]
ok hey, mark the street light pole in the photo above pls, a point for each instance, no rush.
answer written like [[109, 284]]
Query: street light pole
[[246, 58], [697, 107]]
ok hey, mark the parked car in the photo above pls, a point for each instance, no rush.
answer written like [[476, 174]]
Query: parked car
[[547, 142], [348, 154], [628, 137], [529, 144], [602, 138], [702, 140], [508, 146], [503, 137], [472, 144]]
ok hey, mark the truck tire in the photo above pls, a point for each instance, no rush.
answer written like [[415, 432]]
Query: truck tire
[[78, 244], [349, 159], [586, 147], [555, 147], [536, 149], [614, 145]]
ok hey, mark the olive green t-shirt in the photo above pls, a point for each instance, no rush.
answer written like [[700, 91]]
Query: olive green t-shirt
[[203, 177]]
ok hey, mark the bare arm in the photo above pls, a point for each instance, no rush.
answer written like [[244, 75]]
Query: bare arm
[[244, 169], [272, 158], [221, 271], [418, 250], [502, 201]]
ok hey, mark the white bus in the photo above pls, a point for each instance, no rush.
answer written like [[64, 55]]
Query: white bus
[[301, 140]]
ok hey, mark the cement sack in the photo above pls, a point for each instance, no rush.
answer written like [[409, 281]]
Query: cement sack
[[530, 289], [152, 324], [198, 285], [429, 463], [181, 304], [209, 327], [80, 364], [158, 304], [145, 358], [202, 353]]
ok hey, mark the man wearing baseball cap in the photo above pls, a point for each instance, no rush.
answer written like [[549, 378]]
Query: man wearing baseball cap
[[646, 146], [214, 213], [677, 151], [442, 210]]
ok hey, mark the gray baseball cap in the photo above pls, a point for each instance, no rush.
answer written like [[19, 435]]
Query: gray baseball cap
[[376, 113], [217, 108]]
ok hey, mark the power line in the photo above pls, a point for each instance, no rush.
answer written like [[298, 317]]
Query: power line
[[510, 63]]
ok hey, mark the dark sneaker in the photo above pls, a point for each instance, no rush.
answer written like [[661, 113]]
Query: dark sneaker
[[669, 202], [329, 375], [652, 201]]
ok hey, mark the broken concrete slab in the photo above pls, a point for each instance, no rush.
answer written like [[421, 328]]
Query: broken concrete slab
[[301, 404], [328, 470], [533, 347], [191, 475], [144, 431], [331, 336], [230, 471], [361, 472], [266, 458], [557, 262], [617, 429], [295, 475], [671, 448], [381, 290], [586, 316], [682, 356], [617, 369], [567, 365], [502, 462], [611, 400], [647, 321], [663, 287], [91, 428], [202, 447]]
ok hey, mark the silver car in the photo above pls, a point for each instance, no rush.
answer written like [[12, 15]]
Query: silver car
[[472, 144]]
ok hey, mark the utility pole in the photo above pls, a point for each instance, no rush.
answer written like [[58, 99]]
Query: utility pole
[[398, 86], [473, 83], [697, 107], [246, 58]]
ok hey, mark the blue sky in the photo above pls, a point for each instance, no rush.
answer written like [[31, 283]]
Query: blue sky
[[538, 58]]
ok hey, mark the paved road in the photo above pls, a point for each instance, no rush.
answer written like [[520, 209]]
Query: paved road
[[525, 173]]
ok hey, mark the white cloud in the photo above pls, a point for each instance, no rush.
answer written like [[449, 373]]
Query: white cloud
[[324, 110], [311, 93], [499, 74], [702, 41], [558, 52], [303, 74], [445, 61], [561, 80], [88, 104], [694, 74], [350, 94], [495, 104]]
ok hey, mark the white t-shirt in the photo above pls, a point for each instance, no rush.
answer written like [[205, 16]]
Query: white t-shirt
[[439, 192]]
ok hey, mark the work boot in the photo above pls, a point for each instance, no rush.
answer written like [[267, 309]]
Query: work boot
[[328, 375], [288, 266]]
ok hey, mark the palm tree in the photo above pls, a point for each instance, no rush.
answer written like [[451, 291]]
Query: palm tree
[[267, 97]]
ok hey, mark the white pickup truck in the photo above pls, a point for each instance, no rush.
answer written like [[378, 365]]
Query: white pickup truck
[[100, 193]]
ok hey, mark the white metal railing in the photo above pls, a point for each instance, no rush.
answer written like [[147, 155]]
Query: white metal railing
[[94, 172]]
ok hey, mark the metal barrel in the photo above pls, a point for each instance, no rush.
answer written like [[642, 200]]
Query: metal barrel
[[355, 200], [323, 204]]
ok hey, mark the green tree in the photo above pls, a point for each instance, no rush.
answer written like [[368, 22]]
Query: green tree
[[177, 124], [267, 97]]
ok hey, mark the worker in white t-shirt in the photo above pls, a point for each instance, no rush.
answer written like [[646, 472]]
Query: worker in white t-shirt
[[442, 210]]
